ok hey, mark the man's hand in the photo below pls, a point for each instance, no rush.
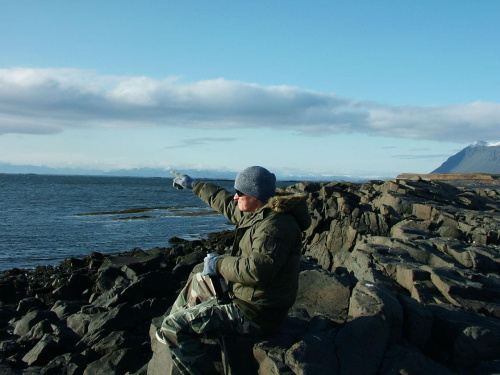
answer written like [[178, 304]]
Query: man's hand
[[183, 181], [210, 264]]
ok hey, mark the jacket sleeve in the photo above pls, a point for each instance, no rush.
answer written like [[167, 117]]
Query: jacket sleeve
[[219, 199], [269, 253]]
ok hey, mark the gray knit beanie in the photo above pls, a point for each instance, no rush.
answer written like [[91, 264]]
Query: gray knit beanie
[[256, 182]]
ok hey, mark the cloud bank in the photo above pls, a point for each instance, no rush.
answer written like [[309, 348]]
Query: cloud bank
[[48, 101]]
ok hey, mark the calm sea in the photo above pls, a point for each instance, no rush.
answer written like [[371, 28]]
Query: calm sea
[[45, 219]]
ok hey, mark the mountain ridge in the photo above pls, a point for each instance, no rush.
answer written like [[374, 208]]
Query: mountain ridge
[[478, 157], [148, 172]]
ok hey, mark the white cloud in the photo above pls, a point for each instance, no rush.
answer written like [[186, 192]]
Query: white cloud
[[47, 101]]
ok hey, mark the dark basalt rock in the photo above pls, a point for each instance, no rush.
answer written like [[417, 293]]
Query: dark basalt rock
[[398, 276]]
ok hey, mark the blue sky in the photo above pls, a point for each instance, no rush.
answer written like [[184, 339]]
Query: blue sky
[[359, 88]]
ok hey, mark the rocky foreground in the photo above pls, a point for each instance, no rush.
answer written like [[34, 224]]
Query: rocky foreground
[[398, 277]]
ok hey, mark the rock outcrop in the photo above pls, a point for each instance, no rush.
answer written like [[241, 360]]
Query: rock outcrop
[[423, 258], [398, 277]]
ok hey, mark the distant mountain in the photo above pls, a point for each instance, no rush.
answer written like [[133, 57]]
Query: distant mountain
[[27, 169], [164, 173], [134, 172], [479, 157], [157, 172]]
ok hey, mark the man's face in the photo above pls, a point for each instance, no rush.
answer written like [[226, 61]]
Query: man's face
[[247, 203]]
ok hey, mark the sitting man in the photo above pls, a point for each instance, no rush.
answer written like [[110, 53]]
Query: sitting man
[[261, 273]]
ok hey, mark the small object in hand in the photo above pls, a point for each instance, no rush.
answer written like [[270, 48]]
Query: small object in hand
[[221, 291]]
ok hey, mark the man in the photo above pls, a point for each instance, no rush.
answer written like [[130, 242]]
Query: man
[[261, 273]]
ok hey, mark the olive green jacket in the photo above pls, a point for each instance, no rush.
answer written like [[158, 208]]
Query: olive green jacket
[[262, 271]]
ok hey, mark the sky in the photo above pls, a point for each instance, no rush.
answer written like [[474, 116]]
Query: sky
[[357, 88]]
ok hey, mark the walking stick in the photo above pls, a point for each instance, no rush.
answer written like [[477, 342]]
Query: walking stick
[[223, 298]]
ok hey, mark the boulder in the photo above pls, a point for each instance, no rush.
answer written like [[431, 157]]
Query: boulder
[[114, 341], [122, 317], [50, 346], [79, 322], [74, 288], [119, 362], [23, 326], [66, 364], [30, 303], [149, 285], [369, 299], [36, 332], [64, 309], [323, 292]]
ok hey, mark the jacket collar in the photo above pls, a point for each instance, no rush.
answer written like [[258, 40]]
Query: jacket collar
[[250, 219]]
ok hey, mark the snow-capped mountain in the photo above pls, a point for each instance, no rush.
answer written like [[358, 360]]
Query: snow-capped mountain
[[484, 144], [479, 157]]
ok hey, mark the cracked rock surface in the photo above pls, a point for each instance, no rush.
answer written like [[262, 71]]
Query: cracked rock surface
[[397, 277]]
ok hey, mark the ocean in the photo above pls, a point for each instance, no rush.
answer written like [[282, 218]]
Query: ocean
[[45, 219]]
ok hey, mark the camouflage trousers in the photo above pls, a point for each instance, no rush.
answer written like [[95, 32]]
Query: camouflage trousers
[[196, 315]]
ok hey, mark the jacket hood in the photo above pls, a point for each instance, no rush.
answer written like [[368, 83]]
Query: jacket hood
[[294, 204]]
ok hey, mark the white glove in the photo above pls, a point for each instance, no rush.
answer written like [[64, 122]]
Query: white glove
[[210, 264], [183, 181]]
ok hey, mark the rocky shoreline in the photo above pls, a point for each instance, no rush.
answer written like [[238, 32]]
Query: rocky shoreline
[[467, 180], [398, 277]]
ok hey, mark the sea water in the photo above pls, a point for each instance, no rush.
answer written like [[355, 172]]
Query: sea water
[[45, 219]]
